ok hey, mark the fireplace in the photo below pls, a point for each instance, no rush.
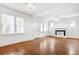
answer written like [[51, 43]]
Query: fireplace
[[60, 32]]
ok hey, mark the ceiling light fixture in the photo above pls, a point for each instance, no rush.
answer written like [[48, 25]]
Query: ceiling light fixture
[[56, 18], [30, 6]]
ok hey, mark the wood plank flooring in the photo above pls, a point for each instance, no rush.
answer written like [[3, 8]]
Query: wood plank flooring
[[49, 45]]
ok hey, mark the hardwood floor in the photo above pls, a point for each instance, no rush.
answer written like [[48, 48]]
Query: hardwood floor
[[49, 45]]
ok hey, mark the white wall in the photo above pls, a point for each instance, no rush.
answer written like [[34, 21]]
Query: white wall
[[36, 31], [14, 38], [73, 31], [62, 23]]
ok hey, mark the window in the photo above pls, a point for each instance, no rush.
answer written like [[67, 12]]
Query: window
[[44, 27], [19, 25], [51, 26], [12, 25], [8, 24], [72, 24], [41, 27]]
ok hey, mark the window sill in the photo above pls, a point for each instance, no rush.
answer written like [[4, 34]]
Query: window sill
[[12, 34]]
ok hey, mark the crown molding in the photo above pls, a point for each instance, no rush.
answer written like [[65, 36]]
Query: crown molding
[[15, 10]]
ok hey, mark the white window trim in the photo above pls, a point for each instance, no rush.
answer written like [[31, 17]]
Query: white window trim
[[14, 25]]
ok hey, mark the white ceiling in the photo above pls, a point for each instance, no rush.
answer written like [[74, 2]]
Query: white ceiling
[[21, 7], [55, 9], [46, 9]]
